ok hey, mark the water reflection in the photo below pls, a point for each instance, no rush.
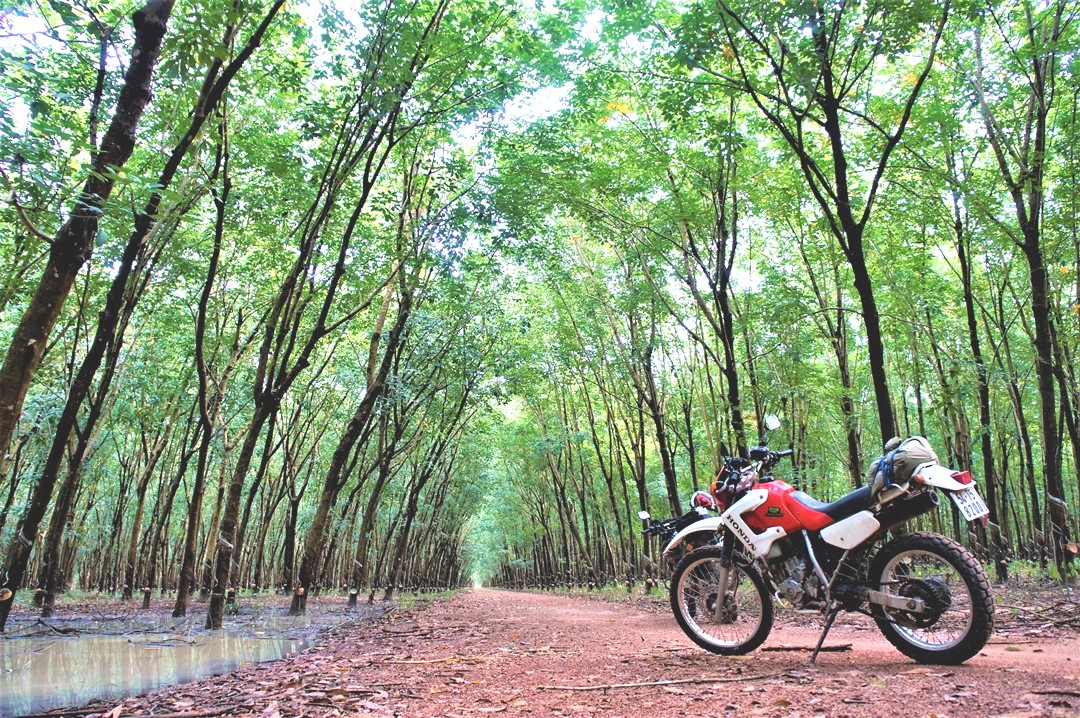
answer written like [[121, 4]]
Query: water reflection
[[249, 625], [41, 673]]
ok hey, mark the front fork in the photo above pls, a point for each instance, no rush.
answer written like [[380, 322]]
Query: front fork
[[727, 553]]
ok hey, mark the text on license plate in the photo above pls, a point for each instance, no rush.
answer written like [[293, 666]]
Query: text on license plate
[[970, 504]]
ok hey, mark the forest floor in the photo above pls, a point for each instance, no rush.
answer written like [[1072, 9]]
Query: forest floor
[[487, 652]]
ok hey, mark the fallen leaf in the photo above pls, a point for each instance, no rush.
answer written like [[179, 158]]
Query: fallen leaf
[[271, 711]]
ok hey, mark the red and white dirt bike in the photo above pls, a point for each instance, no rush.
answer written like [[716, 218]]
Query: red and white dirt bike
[[927, 593]]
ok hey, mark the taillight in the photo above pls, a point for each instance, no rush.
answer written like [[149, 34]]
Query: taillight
[[963, 477]]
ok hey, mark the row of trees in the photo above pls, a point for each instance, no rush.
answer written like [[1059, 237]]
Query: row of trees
[[270, 379], [860, 217]]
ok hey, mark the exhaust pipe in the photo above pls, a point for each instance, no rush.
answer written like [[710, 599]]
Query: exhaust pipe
[[905, 509]]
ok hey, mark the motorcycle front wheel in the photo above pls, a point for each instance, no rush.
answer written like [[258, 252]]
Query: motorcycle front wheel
[[746, 617], [957, 617]]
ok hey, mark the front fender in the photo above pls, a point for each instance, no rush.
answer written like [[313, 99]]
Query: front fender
[[709, 525]]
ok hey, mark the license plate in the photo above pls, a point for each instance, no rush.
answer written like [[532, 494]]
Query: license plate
[[970, 503]]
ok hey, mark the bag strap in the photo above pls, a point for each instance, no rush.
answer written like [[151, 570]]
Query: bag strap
[[887, 471]]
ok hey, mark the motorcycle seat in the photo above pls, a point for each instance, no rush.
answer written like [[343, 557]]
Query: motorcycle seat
[[843, 507]]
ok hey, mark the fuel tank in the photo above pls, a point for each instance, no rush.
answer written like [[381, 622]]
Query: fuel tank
[[783, 510]]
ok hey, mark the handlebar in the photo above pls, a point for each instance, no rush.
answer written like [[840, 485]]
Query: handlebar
[[773, 458], [742, 473], [740, 470], [671, 526], [655, 527]]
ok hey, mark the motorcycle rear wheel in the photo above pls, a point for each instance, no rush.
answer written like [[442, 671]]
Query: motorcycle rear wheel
[[950, 582], [748, 614]]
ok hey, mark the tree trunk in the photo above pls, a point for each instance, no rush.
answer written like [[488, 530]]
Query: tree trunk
[[1045, 367], [358, 428], [1023, 171], [74, 242], [990, 481], [361, 575], [875, 346], [140, 506], [655, 403], [833, 324], [68, 252]]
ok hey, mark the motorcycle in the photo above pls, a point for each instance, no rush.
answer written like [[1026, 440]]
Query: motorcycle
[[927, 593], [690, 528]]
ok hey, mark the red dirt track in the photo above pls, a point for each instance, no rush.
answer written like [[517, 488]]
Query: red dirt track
[[485, 652]]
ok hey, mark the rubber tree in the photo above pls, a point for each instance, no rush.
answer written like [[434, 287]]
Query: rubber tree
[[123, 295], [370, 125], [810, 70], [1018, 131], [68, 252]]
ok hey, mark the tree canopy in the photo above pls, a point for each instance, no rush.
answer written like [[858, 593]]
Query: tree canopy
[[396, 295]]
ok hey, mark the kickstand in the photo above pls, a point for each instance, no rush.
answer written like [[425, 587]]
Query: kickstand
[[829, 618]]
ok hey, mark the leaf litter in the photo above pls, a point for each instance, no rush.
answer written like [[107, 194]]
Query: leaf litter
[[496, 652]]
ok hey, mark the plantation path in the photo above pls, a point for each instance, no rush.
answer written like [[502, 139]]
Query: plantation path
[[487, 652]]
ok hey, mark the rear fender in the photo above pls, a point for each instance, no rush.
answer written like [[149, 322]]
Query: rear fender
[[709, 526], [940, 477]]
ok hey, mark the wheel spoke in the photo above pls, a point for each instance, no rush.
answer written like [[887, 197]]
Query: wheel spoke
[[744, 615], [924, 575], [955, 608]]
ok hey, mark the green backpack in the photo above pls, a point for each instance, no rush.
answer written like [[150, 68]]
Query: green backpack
[[899, 462]]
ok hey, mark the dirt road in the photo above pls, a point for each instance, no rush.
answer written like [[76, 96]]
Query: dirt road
[[487, 652]]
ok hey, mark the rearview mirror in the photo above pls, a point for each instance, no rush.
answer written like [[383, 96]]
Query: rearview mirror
[[643, 515]]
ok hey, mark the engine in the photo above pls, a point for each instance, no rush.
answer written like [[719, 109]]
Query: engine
[[797, 584]]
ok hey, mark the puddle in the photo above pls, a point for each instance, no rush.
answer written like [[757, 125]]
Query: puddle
[[255, 625], [42, 672]]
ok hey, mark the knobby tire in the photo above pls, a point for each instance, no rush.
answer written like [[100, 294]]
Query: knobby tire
[[966, 604], [746, 625]]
